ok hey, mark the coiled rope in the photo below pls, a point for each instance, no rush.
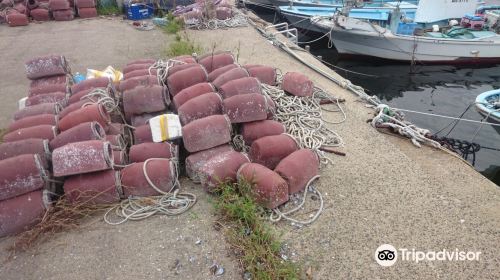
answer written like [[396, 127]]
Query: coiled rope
[[238, 20], [162, 67], [139, 208], [303, 119], [277, 215]]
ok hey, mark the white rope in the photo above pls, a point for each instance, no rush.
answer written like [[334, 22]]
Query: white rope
[[238, 20], [239, 144], [169, 203], [303, 119], [162, 67], [277, 215]]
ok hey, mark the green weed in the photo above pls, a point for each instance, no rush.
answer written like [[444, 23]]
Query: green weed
[[255, 243], [3, 131], [108, 10], [182, 46]]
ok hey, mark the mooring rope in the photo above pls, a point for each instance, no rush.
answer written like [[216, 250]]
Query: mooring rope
[[277, 215], [303, 119], [169, 203]]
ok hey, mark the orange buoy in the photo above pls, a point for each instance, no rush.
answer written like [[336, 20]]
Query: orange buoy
[[206, 133], [269, 188], [270, 150], [298, 168], [205, 105]]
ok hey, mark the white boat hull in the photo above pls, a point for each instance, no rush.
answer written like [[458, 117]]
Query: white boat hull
[[373, 41]]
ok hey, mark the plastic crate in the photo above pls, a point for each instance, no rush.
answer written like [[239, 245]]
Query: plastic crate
[[139, 11], [406, 28]]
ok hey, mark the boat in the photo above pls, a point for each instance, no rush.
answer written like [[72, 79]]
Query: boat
[[333, 3], [488, 104], [298, 16], [403, 40]]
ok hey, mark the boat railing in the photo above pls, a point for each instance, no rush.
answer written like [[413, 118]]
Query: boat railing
[[283, 28]]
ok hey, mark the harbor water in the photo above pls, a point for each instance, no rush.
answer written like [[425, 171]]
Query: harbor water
[[435, 89]]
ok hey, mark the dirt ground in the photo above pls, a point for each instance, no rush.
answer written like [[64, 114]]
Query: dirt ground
[[384, 191]]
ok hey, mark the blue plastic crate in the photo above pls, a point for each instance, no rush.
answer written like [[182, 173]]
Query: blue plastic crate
[[139, 11], [406, 28]]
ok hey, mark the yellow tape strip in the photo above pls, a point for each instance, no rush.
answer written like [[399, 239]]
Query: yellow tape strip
[[164, 127]]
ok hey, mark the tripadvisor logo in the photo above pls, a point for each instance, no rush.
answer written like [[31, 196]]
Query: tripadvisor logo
[[387, 255]]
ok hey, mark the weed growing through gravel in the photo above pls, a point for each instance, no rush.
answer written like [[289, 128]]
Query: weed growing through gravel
[[254, 242], [108, 10], [182, 46], [174, 24]]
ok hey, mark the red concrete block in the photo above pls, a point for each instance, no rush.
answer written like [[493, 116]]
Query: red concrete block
[[205, 105], [161, 172], [44, 108], [49, 119], [22, 212], [269, 188], [245, 85], [56, 5], [297, 84], [140, 72], [95, 112], [26, 146], [63, 15], [233, 74], [93, 188], [17, 19], [40, 14], [298, 168], [206, 133], [186, 78], [215, 61], [144, 151], [245, 107], [136, 66], [47, 81], [54, 97], [82, 157], [270, 150], [46, 66], [142, 134], [219, 71], [102, 82], [87, 12], [265, 74], [221, 168], [21, 174], [223, 13], [81, 132], [43, 131], [254, 130], [179, 67], [145, 99], [62, 87], [132, 83], [191, 92], [85, 4], [196, 161]]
